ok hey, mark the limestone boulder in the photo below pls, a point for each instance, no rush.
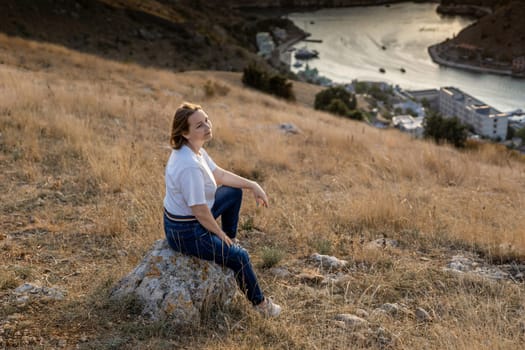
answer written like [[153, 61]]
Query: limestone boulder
[[170, 285]]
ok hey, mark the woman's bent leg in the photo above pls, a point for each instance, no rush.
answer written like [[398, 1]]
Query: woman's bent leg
[[194, 240], [227, 205], [237, 259]]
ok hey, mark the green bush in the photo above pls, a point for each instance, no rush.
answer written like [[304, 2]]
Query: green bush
[[271, 256], [322, 246], [338, 101], [325, 97], [445, 129], [336, 106], [356, 115], [520, 133], [276, 85], [255, 77]]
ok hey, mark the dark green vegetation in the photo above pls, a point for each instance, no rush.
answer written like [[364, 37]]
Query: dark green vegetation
[[445, 130], [274, 84], [338, 101]]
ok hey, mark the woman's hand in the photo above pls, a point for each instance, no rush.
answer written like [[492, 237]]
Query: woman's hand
[[206, 219], [225, 238], [259, 194], [224, 177]]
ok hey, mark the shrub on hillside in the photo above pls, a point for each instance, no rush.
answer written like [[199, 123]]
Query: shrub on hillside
[[520, 133], [271, 256], [212, 88], [336, 106], [445, 129], [279, 86], [276, 85], [338, 101]]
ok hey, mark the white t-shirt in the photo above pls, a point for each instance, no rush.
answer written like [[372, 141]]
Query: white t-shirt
[[189, 181]]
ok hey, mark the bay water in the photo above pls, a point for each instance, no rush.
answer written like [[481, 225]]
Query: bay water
[[358, 41]]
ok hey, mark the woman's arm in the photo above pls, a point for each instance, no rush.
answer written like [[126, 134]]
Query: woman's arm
[[225, 177], [206, 219]]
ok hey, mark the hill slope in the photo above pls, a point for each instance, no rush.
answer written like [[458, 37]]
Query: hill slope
[[179, 35], [83, 146]]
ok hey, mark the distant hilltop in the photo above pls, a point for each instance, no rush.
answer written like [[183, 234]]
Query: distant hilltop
[[496, 42], [308, 3]]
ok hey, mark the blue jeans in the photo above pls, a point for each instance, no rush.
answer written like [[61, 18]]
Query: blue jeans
[[191, 238]]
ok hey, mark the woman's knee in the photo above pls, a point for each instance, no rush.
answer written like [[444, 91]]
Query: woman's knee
[[238, 258], [237, 193], [231, 192]]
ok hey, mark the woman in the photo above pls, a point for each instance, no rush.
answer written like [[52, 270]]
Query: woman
[[193, 201]]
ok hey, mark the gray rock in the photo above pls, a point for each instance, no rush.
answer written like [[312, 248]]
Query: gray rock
[[289, 128], [393, 309], [383, 337], [422, 315], [327, 261], [351, 320], [27, 292], [474, 265], [390, 308], [173, 286], [362, 313], [280, 272], [382, 243]]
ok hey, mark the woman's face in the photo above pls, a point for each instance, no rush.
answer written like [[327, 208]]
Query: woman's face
[[199, 128]]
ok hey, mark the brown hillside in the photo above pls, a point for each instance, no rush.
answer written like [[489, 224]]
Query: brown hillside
[[501, 35], [495, 39], [177, 35]]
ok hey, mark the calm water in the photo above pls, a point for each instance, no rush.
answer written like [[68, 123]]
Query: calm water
[[352, 49]]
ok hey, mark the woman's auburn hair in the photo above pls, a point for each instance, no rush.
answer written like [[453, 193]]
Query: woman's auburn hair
[[180, 124]]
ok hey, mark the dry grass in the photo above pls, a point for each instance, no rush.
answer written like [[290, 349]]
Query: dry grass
[[83, 146]]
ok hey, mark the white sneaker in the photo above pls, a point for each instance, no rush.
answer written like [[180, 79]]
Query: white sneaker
[[268, 308]]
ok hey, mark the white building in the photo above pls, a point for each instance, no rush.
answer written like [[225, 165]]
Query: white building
[[411, 105], [484, 119], [265, 44], [430, 95], [407, 123]]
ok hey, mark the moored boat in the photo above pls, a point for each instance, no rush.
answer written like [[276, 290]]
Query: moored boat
[[304, 53]]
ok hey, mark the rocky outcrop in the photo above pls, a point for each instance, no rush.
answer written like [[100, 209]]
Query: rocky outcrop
[[169, 285]]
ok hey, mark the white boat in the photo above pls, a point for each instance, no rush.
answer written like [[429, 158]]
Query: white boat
[[304, 54]]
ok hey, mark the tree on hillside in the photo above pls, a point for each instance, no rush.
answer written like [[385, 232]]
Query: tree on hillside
[[338, 101], [336, 106], [445, 129], [323, 98], [520, 133], [276, 85], [255, 77], [279, 86]]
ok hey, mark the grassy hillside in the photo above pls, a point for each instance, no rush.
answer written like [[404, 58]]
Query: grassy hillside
[[83, 144]]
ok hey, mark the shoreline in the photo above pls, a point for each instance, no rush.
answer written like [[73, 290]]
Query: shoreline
[[433, 52]]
